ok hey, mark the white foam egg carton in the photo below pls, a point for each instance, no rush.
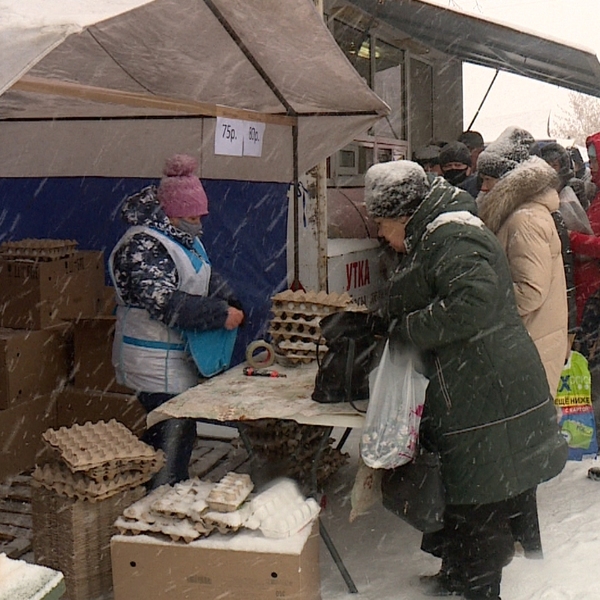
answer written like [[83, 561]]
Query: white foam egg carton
[[288, 522], [281, 510]]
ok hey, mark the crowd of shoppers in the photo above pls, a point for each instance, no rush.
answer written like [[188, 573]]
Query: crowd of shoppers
[[498, 279]]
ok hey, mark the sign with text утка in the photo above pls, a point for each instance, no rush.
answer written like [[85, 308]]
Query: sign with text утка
[[234, 137]]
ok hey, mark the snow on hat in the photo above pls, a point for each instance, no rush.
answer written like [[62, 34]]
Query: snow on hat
[[455, 152], [180, 192], [504, 154], [395, 189]]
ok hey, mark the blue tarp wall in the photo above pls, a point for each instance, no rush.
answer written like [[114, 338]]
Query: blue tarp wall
[[245, 232]]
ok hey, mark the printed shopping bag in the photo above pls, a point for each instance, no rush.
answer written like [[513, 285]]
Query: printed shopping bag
[[396, 396], [574, 403]]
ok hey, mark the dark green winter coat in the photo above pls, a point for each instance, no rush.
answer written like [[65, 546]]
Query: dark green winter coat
[[488, 409]]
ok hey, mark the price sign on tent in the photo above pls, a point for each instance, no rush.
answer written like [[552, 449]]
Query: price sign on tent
[[234, 137], [229, 137], [253, 140]]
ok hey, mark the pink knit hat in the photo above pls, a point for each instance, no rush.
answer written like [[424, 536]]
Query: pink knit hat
[[180, 192]]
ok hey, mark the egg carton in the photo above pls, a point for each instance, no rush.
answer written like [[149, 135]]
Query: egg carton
[[111, 470], [102, 449], [230, 492], [311, 301], [176, 529], [140, 518], [290, 519], [282, 433], [57, 477], [184, 499], [285, 320], [227, 522], [303, 325], [281, 510], [302, 347], [141, 510], [295, 325], [294, 446], [38, 249]]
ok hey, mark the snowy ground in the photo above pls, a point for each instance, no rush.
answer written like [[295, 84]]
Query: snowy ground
[[383, 557]]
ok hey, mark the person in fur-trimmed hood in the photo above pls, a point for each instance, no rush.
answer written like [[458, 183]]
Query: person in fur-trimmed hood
[[518, 201]]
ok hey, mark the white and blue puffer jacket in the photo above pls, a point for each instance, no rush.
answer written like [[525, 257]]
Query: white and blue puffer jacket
[[164, 285], [147, 354]]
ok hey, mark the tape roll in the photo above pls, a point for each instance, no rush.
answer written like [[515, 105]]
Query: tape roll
[[260, 354]]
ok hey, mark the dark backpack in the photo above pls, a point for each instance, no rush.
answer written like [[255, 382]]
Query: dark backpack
[[353, 340]]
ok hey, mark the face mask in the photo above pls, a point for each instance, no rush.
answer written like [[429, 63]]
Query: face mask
[[194, 229], [455, 176]]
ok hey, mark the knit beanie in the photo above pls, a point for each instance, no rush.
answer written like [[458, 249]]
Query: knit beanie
[[455, 152], [504, 154], [395, 189], [180, 192]]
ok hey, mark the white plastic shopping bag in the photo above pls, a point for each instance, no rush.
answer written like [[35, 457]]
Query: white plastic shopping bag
[[396, 396]]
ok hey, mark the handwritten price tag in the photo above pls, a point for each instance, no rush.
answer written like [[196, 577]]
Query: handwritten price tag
[[253, 139], [234, 137], [229, 137]]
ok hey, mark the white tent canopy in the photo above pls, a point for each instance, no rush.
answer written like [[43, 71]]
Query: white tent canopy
[[110, 88]]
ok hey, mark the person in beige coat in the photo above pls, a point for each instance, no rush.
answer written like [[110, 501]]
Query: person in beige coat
[[517, 204]]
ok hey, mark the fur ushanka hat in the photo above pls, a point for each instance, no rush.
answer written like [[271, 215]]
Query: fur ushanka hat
[[395, 189], [504, 154]]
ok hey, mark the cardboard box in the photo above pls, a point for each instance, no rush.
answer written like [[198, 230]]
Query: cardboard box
[[73, 536], [32, 362], [93, 368], [35, 295], [245, 566], [21, 429], [108, 305], [75, 405]]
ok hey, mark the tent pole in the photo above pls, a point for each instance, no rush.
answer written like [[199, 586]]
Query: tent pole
[[296, 285], [483, 101]]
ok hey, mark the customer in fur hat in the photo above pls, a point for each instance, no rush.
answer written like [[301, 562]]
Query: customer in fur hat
[[168, 294], [488, 410], [518, 206]]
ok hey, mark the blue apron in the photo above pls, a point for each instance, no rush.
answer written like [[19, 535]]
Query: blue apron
[[211, 349]]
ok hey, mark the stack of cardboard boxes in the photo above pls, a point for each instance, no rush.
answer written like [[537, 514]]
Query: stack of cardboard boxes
[[53, 371]]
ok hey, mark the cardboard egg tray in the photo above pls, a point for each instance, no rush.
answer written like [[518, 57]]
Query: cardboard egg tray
[[294, 446], [103, 449], [226, 522], [34, 249], [185, 499], [295, 328], [177, 530], [177, 512], [229, 492], [57, 477]]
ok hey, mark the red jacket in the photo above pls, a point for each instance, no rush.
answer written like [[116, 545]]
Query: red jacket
[[586, 248]]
